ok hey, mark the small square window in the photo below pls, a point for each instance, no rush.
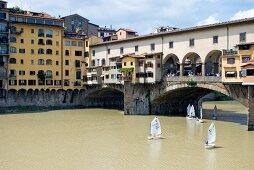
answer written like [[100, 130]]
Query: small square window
[[215, 39], [171, 44], [136, 48], [192, 42], [121, 50], [243, 37], [152, 46]]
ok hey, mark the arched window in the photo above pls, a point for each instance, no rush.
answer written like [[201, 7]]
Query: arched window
[[48, 62], [49, 51], [40, 62], [49, 33], [93, 62], [40, 51], [13, 50], [40, 41], [13, 29], [49, 42], [41, 33], [48, 73], [13, 39], [103, 62], [12, 61]]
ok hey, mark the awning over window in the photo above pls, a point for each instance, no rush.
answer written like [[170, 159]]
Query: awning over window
[[230, 72]]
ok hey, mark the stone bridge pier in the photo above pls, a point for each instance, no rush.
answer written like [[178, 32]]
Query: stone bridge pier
[[172, 98]]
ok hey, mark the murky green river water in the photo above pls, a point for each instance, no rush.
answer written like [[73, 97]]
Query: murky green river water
[[106, 139]]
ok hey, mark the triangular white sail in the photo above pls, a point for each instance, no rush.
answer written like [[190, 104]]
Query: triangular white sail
[[188, 110], [193, 112], [155, 127], [211, 134], [201, 113]]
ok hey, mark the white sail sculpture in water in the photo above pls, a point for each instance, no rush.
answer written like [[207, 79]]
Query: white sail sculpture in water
[[188, 111], [211, 138], [191, 114], [155, 129], [200, 120]]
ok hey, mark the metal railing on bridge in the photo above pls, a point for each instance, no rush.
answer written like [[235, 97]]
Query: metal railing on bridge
[[212, 79]]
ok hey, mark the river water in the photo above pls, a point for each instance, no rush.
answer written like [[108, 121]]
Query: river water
[[106, 139]]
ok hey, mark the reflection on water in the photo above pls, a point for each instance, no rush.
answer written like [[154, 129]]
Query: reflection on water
[[106, 139]]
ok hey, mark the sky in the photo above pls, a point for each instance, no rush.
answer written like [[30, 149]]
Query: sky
[[144, 16]]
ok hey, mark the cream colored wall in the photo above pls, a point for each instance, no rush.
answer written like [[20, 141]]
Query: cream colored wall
[[203, 42], [27, 56], [121, 34]]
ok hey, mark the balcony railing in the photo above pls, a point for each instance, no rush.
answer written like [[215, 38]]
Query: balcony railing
[[12, 75], [3, 64], [214, 79], [48, 76], [17, 32], [3, 74]]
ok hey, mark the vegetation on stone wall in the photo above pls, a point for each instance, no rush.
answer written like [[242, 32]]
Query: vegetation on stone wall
[[221, 97], [191, 83]]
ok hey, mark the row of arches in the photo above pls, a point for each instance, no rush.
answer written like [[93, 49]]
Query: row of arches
[[192, 64]]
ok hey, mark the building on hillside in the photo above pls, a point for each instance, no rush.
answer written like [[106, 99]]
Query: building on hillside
[[105, 32], [124, 33], [35, 51], [4, 47], [78, 24]]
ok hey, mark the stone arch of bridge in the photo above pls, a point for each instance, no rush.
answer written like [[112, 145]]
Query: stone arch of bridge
[[213, 63], [176, 97], [171, 65], [192, 64], [104, 97]]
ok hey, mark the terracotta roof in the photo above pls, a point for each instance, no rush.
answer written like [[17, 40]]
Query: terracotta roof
[[133, 55], [245, 43], [127, 30], [180, 31], [35, 15]]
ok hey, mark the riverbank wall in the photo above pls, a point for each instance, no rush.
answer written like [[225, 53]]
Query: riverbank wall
[[59, 99]]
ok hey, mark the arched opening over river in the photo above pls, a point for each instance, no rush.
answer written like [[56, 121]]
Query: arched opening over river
[[105, 98]]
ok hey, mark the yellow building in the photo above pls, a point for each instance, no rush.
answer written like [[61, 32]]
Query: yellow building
[[130, 66], [35, 51], [74, 62], [237, 64]]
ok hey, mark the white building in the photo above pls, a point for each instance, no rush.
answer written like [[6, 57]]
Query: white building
[[195, 50]]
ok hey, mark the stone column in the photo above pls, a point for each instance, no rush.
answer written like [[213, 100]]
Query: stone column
[[136, 99], [251, 108], [193, 68], [181, 69], [203, 69], [216, 68]]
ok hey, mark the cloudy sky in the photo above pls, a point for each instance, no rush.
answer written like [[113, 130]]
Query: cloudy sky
[[144, 15]]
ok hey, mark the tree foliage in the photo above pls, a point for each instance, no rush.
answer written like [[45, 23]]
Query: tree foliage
[[126, 70], [16, 9]]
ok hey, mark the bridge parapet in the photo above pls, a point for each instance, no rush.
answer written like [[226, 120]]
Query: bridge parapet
[[207, 79]]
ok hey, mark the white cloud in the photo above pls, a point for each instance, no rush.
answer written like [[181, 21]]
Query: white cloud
[[243, 14], [209, 20]]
